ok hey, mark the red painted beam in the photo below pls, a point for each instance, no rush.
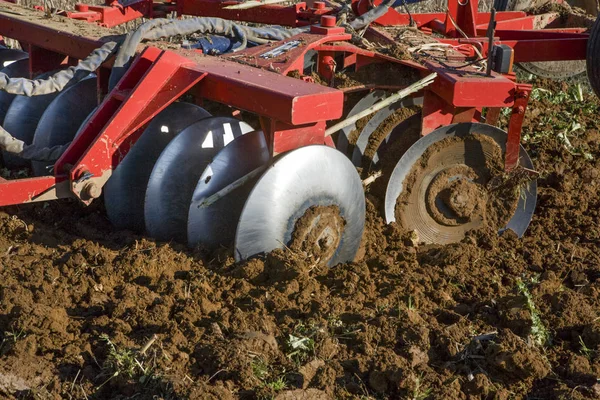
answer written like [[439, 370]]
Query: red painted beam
[[549, 50], [549, 46], [29, 190], [25, 29], [471, 90], [542, 34], [265, 93]]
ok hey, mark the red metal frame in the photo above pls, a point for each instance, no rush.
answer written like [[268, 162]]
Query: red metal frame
[[293, 113]]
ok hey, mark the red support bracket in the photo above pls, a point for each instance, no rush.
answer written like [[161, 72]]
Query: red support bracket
[[113, 13], [464, 14], [513, 142], [283, 137], [155, 80], [42, 60]]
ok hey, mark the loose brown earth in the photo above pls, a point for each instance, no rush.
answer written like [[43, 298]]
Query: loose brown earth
[[79, 301]]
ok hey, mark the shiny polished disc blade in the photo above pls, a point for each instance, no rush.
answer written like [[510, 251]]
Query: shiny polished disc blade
[[214, 225], [18, 69], [314, 194], [125, 191], [62, 119], [22, 119], [9, 56], [177, 171], [441, 158]]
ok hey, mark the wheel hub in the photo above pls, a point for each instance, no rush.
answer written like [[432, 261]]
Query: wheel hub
[[442, 187], [318, 232], [454, 197]]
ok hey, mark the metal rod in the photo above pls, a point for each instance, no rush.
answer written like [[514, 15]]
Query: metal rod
[[232, 186], [415, 87]]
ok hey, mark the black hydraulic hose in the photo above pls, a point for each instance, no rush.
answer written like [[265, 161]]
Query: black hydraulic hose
[[125, 48], [60, 80], [371, 15], [163, 28]]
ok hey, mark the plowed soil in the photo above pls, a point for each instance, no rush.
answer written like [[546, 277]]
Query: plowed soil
[[90, 312]]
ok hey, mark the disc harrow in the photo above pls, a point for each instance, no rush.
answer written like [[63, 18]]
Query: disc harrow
[[226, 139]]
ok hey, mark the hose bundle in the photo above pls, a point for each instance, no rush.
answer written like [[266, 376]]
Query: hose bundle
[[125, 48]]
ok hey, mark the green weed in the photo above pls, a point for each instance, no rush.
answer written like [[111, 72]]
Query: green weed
[[277, 385], [585, 351], [420, 392], [120, 362], [539, 333]]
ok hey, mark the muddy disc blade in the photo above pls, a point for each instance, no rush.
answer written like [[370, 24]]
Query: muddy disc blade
[[215, 224], [9, 56], [176, 174], [448, 175], [375, 126], [311, 200], [345, 137], [18, 69], [125, 191], [21, 121], [555, 69], [404, 135], [62, 119]]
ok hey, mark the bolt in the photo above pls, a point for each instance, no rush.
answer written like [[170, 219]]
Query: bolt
[[92, 190], [82, 7], [521, 109], [328, 21], [319, 5]]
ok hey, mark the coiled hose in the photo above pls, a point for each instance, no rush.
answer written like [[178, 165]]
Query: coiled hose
[[125, 48]]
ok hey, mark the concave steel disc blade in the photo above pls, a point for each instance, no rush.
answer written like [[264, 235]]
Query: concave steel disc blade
[[22, 119], [63, 117], [18, 69], [374, 124], [344, 138], [464, 152], [310, 178], [176, 174], [214, 225], [125, 191], [400, 139], [9, 56]]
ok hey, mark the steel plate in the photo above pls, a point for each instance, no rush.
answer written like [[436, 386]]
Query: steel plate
[[215, 225], [63, 117], [125, 191], [310, 176], [177, 171], [526, 203], [9, 56], [365, 135], [22, 119], [18, 69]]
